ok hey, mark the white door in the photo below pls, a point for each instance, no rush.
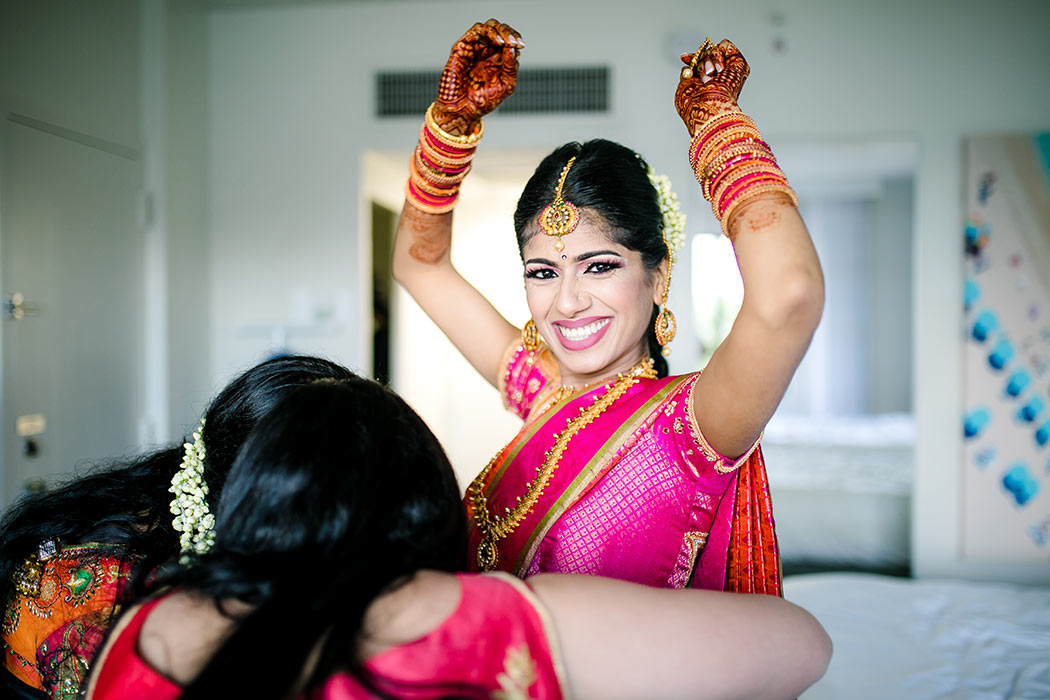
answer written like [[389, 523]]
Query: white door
[[72, 251]]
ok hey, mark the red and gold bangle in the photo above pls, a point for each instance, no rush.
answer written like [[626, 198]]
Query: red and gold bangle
[[729, 155], [442, 153], [427, 203], [721, 139], [732, 178], [735, 120], [752, 192], [438, 165], [740, 185], [452, 140], [730, 159], [432, 164], [733, 165], [434, 174], [710, 184], [727, 139], [438, 189], [717, 185]]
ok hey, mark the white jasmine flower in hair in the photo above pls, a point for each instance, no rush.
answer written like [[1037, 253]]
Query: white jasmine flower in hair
[[674, 219]]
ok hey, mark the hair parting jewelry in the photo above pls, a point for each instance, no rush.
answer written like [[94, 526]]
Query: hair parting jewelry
[[733, 164], [193, 518], [559, 218], [495, 528]]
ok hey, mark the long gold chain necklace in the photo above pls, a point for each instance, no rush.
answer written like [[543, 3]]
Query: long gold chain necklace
[[495, 528]]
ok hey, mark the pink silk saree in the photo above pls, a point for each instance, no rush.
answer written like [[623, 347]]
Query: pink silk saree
[[638, 495]]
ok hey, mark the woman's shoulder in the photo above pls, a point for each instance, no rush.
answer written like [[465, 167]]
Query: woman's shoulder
[[411, 611], [525, 376], [493, 633], [124, 669], [179, 631]]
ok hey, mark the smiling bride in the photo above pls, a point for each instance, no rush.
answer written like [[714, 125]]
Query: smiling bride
[[620, 470]]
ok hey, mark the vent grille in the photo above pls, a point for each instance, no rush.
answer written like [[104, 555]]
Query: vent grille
[[539, 91]]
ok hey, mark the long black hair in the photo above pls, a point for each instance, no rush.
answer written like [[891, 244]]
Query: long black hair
[[612, 180], [340, 493], [126, 504]]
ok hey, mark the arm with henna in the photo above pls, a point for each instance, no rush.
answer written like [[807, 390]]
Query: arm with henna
[[783, 284], [480, 73]]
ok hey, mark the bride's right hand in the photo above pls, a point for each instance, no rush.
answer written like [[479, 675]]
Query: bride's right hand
[[481, 72], [710, 84]]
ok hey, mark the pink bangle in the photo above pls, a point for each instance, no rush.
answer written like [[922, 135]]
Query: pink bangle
[[737, 187], [428, 204]]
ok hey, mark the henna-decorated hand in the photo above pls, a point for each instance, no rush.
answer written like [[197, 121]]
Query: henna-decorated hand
[[710, 84], [481, 72]]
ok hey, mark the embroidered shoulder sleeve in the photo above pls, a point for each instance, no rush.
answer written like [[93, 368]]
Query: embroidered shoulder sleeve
[[524, 376], [719, 462], [548, 676]]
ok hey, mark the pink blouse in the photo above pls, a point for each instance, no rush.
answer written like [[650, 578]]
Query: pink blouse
[[498, 643]]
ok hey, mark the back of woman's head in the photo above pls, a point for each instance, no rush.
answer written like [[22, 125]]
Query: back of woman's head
[[234, 412], [342, 472], [339, 494], [612, 180], [127, 503]]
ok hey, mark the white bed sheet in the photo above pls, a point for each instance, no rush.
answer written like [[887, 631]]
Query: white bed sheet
[[841, 489], [905, 639]]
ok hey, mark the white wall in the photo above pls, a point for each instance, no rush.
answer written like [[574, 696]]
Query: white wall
[[180, 192], [290, 118]]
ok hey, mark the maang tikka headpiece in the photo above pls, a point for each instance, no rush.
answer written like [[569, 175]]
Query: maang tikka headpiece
[[560, 217]]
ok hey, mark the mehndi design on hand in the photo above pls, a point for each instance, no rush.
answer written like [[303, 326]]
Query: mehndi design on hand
[[711, 83], [481, 72]]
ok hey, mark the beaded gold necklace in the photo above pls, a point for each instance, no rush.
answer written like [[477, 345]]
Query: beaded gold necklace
[[495, 528]]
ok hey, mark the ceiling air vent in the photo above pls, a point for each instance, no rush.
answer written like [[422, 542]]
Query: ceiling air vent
[[539, 91]]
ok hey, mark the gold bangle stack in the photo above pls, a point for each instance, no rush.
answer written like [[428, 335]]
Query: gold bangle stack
[[733, 164], [439, 163]]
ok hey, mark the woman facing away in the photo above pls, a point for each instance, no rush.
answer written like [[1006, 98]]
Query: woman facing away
[[333, 575], [620, 470], [69, 557]]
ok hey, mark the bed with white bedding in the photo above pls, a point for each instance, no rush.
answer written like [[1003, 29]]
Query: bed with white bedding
[[904, 639], [841, 489]]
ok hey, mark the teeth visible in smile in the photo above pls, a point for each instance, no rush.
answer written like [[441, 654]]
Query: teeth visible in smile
[[583, 332]]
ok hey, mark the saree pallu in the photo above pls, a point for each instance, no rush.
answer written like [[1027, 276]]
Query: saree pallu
[[638, 495], [50, 638]]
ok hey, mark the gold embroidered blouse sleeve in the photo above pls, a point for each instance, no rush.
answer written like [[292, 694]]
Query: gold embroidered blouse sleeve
[[722, 464]]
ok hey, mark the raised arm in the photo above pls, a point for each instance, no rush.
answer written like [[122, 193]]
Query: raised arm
[[481, 72], [622, 640], [783, 283]]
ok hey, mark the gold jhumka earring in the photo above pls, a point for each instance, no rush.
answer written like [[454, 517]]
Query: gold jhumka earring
[[666, 327], [530, 337], [560, 217]]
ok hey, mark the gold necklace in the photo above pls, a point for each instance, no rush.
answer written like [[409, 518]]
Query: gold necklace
[[495, 528]]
